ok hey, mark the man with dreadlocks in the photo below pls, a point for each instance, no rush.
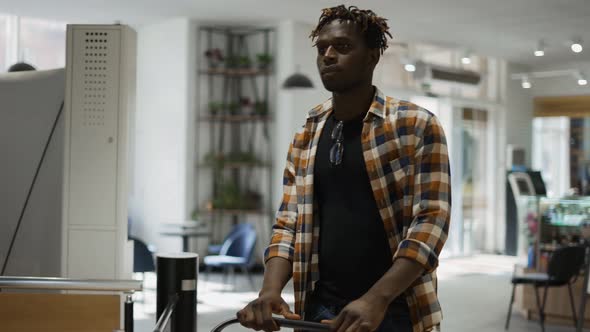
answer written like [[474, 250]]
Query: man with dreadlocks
[[366, 203]]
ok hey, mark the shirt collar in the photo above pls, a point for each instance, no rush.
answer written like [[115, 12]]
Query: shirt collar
[[377, 106]]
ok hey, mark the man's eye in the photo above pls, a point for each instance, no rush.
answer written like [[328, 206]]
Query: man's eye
[[322, 49], [343, 47]]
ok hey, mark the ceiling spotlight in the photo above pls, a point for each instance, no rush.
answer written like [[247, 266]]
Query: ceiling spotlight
[[410, 67], [577, 46], [581, 78], [525, 83], [466, 58], [540, 50]]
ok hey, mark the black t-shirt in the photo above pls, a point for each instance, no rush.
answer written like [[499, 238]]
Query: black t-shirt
[[353, 249]]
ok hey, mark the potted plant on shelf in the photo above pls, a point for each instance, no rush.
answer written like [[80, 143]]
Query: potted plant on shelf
[[252, 200], [232, 62], [260, 108], [214, 57], [233, 108], [264, 60], [214, 160], [245, 62], [244, 157], [195, 215], [245, 102], [229, 197], [215, 107]]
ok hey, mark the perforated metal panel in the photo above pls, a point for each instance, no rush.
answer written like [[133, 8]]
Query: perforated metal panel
[[99, 82], [94, 117], [96, 51]]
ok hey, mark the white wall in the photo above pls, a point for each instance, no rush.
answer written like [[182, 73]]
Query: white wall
[[294, 49], [162, 187], [519, 112]]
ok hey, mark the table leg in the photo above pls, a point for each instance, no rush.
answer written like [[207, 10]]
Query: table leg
[[583, 298], [185, 243]]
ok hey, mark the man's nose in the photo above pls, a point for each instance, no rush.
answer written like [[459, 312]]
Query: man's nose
[[330, 53]]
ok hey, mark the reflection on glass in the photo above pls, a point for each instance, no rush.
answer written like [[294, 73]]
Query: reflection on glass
[[474, 170], [551, 153], [42, 43]]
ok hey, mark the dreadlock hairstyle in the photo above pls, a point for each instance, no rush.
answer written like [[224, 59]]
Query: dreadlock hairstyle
[[373, 27]]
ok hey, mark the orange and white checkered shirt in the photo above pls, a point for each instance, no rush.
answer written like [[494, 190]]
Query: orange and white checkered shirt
[[406, 156]]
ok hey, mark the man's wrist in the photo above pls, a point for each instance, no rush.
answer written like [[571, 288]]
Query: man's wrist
[[266, 290], [377, 298]]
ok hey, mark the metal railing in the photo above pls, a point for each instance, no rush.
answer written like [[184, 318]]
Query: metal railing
[[281, 322], [162, 323], [125, 286]]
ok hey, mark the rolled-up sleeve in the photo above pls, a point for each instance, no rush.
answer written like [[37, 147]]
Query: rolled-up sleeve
[[282, 243], [431, 205]]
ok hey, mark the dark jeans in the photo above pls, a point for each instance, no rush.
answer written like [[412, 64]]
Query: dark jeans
[[395, 320]]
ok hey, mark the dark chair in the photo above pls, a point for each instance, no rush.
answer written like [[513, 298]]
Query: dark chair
[[237, 251], [143, 256], [564, 267], [215, 249]]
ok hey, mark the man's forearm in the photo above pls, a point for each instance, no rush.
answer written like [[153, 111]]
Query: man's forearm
[[277, 273], [395, 281]]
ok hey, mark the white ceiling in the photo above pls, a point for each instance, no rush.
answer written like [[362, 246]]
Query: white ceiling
[[504, 28]]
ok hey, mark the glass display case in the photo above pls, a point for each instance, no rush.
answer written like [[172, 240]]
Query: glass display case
[[550, 223], [528, 227]]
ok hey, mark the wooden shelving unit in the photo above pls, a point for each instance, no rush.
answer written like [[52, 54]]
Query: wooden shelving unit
[[239, 124]]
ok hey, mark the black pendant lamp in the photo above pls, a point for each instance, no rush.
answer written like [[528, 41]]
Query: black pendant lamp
[[297, 81]]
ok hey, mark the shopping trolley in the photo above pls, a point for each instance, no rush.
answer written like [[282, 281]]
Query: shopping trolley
[[281, 322]]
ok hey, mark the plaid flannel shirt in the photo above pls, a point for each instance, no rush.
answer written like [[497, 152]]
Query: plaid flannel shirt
[[406, 156]]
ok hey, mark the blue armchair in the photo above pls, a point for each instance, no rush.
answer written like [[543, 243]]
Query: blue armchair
[[215, 249], [237, 251]]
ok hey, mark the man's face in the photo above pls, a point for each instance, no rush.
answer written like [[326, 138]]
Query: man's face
[[344, 61]]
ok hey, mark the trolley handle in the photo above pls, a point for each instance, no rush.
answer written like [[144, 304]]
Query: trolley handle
[[281, 322]]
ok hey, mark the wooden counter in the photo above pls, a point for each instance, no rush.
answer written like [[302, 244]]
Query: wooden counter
[[23, 312]]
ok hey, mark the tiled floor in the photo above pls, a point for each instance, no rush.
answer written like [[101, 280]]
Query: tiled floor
[[474, 293]]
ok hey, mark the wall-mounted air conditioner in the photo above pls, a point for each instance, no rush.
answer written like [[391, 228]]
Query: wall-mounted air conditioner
[[427, 71]]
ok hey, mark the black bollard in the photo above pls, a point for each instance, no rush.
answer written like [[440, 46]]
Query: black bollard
[[177, 274], [128, 313]]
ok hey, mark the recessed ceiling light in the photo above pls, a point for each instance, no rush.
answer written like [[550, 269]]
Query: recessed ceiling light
[[581, 78], [466, 58], [410, 67], [525, 83], [577, 46], [540, 50]]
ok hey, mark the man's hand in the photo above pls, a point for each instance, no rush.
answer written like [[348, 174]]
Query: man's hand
[[257, 314], [362, 315]]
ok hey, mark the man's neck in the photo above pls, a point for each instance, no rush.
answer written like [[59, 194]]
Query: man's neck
[[350, 104]]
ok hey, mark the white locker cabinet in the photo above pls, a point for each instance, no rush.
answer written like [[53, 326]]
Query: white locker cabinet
[[100, 92]]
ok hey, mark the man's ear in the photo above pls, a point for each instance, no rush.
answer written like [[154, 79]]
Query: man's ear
[[374, 56]]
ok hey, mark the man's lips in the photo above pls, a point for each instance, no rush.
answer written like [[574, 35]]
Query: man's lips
[[329, 70]]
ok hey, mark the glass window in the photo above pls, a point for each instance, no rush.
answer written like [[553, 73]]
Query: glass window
[[42, 43], [3, 42], [551, 153]]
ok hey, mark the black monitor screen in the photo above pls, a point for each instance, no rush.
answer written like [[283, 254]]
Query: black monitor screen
[[523, 187], [538, 183]]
